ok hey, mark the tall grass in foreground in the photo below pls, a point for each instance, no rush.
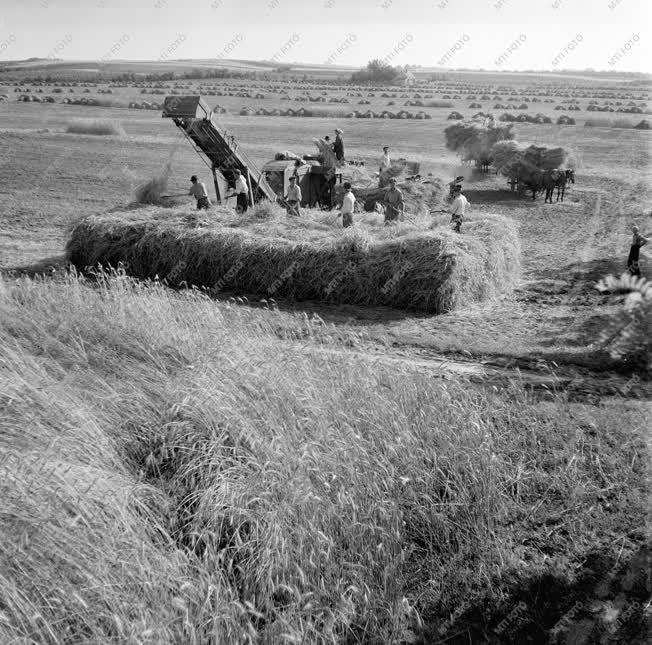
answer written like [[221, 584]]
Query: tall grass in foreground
[[95, 126], [180, 471]]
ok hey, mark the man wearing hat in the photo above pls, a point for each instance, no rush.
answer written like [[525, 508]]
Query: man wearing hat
[[458, 208], [393, 202], [338, 145], [198, 191], [293, 198]]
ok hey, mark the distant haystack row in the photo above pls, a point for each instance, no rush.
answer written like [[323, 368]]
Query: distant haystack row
[[355, 114]]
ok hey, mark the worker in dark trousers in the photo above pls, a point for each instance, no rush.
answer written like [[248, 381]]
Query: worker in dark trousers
[[338, 145], [241, 192], [638, 241], [198, 191]]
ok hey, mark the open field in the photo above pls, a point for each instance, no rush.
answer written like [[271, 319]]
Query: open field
[[566, 246], [184, 467]]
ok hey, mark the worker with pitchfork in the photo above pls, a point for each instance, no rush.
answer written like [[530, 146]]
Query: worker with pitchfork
[[198, 191]]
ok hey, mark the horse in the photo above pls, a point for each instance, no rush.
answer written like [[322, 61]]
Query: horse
[[557, 179]]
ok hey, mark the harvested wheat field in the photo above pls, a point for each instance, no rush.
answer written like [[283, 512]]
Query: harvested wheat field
[[410, 266]]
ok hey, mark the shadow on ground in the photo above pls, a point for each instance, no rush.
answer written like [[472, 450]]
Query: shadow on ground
[[45, 266], [604, 602]]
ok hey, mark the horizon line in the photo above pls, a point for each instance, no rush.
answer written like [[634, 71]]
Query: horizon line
[[221, 63]]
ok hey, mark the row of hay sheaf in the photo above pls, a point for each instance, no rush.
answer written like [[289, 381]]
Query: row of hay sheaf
[[427, 270]]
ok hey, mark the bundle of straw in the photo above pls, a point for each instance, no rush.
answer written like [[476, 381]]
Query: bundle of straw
[[329, 160]]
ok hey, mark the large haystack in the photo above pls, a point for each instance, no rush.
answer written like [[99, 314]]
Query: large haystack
[[407, 266], [473, 140]]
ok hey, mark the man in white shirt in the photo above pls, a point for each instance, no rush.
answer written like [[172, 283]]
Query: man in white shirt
[[241, 192], [293, 198], [458, 208], [348, 205], [198, 191]]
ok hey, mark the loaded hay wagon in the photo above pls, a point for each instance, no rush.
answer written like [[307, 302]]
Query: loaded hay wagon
[[533, 167]]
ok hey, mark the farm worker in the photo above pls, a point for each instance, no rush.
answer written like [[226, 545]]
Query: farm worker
[[393, 202], [338, 145], [638, 241], [348, 204], [293, 198], [385, 162], [458, 208], [241, 192], [198, 190], [385, 165], [453, 185]]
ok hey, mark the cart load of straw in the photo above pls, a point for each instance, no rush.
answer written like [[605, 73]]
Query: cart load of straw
[[406, 267], [512, 159], [473, 140]]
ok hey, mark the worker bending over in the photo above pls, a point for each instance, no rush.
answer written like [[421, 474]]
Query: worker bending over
[[198, 191]]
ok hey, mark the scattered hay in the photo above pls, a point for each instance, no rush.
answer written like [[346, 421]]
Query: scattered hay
[[95, 126], [154, 190], [409, 266]]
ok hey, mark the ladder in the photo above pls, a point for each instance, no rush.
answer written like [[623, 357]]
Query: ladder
[[219, 150]]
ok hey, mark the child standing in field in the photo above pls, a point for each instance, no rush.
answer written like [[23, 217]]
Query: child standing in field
[[348, 204], [638, 240]]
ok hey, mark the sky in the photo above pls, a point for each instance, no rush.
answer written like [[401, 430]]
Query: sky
[[611, 35]]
